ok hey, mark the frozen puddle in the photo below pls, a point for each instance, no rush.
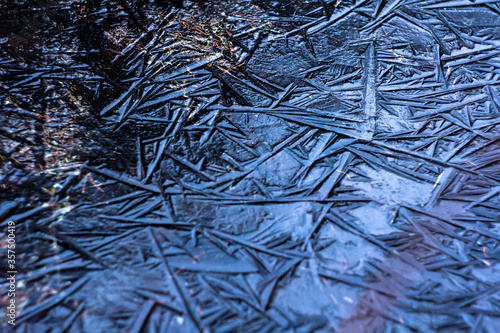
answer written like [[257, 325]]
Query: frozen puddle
[[387, 191]]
